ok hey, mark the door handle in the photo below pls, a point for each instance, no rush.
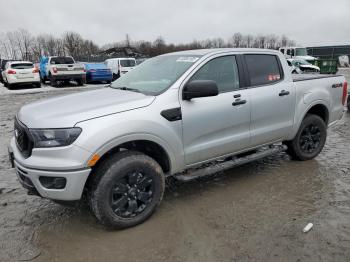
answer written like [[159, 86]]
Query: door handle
[[239, 102], [237, 96], [284, 93]]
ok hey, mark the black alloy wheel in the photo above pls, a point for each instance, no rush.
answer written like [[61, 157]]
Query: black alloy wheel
[[131, 194]]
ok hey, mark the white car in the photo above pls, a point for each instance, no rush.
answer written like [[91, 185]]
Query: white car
[[120, 66], [20, 73]]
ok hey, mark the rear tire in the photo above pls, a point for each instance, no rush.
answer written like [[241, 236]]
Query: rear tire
[[126, 189], [310, 139], [53, 82]]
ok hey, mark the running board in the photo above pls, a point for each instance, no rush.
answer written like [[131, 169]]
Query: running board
[[222, 166]]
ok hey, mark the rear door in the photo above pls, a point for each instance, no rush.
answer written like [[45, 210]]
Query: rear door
[[272, 99], [218, 125]]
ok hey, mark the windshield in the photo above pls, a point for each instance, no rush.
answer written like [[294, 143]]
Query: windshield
[[127, 63], [61, 61], [300, 52], [155, 75]]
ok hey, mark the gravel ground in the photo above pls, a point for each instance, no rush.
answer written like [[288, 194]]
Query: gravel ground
[[255, 212]]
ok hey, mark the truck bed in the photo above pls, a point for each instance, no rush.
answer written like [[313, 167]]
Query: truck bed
[[305, 77]]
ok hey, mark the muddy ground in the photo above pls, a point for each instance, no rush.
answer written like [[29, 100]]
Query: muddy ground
[[255, 212]]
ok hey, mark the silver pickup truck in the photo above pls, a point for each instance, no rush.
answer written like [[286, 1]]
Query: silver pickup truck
[[172, 115]]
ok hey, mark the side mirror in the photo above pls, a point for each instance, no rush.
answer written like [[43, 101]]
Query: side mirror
[[199, 88]]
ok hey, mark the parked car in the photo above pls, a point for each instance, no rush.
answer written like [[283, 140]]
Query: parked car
[[120, 66], [299, 66], [97, 72], [2, 67], [171, 116], [20, 73], [61, 68], [297, 53]]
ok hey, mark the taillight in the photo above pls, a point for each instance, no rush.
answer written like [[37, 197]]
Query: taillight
[[11, 72], [345, 93], [54, 69], [36, 70]]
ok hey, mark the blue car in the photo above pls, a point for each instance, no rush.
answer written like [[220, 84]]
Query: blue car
[[98, 72]]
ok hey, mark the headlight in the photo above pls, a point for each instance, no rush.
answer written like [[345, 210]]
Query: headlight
[[54, 137]]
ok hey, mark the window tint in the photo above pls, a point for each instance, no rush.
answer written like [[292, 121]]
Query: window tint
[[22, 66], [127, 63], [222, 70], [61, 60], [263, 69]]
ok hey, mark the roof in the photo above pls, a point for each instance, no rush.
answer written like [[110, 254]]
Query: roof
[[212, 51]]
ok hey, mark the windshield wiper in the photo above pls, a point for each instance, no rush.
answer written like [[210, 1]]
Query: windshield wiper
[[128, 89]]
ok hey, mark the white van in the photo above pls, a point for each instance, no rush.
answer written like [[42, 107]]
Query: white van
[[120, 66]]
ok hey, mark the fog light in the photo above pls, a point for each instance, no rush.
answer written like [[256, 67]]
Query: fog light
[[53, 182]]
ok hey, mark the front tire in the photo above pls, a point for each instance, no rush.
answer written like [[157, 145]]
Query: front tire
[[126, 189], [310, 139]]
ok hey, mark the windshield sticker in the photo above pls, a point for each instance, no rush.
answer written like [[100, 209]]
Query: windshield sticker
[[188, 59]]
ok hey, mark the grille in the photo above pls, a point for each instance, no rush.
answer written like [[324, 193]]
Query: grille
[[23, 140]]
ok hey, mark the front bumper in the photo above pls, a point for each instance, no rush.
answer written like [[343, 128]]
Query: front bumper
[[75, 182], [29, 175]]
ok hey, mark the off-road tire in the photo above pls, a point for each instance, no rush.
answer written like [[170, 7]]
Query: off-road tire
[[111, 171], [295, 146]]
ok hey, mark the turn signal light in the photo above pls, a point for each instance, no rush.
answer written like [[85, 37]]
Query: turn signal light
[[93, 160]]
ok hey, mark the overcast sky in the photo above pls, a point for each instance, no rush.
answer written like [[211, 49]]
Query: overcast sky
[[309, 22]]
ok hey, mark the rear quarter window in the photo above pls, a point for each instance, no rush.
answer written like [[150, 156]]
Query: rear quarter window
[[263, 69]]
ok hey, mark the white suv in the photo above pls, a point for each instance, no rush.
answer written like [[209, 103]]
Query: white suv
[[20, 72], [120, 66]]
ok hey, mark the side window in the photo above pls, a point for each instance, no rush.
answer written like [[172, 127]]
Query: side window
[[282, 50], [288, 51], [263, 69], [292, 52], [222, 70]]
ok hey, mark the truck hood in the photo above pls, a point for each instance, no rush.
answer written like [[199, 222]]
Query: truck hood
[[66, 111]]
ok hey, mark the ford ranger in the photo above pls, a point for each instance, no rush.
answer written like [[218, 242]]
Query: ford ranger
[[173, 115], [61, 68]]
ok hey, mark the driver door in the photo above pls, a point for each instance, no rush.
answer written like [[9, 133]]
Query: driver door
[[218, 125]]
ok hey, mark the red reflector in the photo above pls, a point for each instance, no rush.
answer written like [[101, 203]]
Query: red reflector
[[345, 93], [11, 72]]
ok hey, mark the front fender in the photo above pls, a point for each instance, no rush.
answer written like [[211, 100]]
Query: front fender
[[175, 162]]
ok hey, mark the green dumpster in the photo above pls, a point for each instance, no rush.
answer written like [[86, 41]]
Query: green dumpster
[[327, 66]]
